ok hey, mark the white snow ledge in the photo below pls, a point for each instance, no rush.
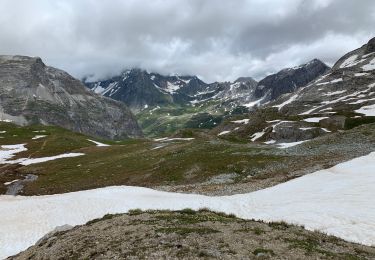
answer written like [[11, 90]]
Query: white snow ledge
[[337, 201]]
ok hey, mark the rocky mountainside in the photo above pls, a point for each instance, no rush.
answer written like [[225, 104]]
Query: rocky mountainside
[[348, 88], [341, 99], [140, 89], [31, 93], [289, 80]]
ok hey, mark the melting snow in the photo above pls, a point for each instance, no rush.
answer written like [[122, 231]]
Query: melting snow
[[361, 74], [28, 161], [8, 151], [349, 61], [166, 139], [287, 145], [337, 201], [253, 103], [98, 89], [243, 121], [367, 110], [334, 93], [330, 82], [10, 182], [359, 101], [38, 137], [223, 133], [314, 119], [310, 110], [370, 66], [256, 136], [171, 88], [111, 89], [290, 100], [97, 143]]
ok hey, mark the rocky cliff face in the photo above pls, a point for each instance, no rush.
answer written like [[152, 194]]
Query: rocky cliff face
[[289, 80], [31, 92]]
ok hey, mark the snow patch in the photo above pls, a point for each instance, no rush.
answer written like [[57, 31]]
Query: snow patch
[[8, 151], [10, 182], [287, 145], [290, 100], [253, 103], [361, 74], [314, 119], [370, 66], [367, 110], [242, 121], [38, 137], [97, 143], [172, 88], [330, 82], [349, 62], [256, 136], [334, 93], [167, 139], [223, 133], [28, 161], [323, 203]]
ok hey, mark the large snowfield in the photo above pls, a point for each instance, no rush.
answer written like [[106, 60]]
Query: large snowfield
[[337, 201]]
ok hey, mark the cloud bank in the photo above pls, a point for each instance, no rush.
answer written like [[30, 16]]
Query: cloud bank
[[216, 40]]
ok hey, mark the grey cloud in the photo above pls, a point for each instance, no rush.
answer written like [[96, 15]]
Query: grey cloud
[[217, 40]]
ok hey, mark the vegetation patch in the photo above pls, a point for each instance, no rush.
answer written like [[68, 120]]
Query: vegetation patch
[[187, 230]]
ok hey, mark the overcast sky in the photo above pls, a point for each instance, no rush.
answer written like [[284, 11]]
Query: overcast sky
[[214, 39]]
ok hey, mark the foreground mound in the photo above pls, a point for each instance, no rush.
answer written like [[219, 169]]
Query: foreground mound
[[190, 234]]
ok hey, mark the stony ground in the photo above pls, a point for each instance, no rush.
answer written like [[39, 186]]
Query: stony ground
[[189, 235]]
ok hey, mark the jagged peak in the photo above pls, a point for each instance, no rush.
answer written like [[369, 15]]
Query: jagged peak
[[245, 79], [21, 58]]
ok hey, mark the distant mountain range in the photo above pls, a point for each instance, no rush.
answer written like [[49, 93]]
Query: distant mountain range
[[164, 104], [139, 89]]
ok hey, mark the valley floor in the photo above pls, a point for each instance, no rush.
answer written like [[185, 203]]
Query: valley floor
[[337, 201]]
